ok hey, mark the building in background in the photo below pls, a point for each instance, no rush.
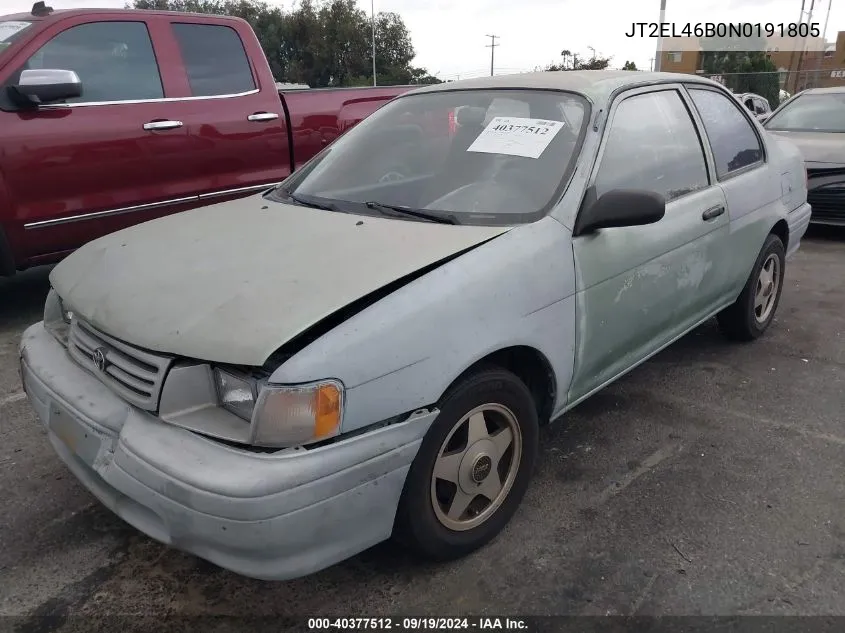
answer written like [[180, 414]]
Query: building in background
[[820, 67]]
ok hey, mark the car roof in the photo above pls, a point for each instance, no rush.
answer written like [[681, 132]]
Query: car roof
[[597, 85], [60, 14], [821, 91]]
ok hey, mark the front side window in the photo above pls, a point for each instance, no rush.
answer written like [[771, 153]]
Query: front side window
[[10, 30], [114, 61], [214, 59], [652, 144], [820, 112], [477, 156], [734, 142]]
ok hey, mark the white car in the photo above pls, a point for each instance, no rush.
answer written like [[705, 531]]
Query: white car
[[756, 104]]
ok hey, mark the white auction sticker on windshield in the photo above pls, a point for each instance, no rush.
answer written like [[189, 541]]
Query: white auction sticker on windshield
[[516, 136], [8, 29]]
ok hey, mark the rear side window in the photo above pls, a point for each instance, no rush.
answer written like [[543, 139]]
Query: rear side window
[[215, 59], [114, 60], [734, 142], [652, 143]]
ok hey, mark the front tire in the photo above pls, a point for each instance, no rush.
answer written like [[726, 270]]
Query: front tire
[[752, 313], [472, 469]]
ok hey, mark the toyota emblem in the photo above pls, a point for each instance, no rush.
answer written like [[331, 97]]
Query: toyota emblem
[[99, 357]]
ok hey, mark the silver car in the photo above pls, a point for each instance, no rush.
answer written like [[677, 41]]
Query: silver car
[[814, 120], [757, 105], [369, 349]]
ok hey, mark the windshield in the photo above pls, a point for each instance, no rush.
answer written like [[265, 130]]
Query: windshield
[[10, 30], [472, 156], [811, 113]]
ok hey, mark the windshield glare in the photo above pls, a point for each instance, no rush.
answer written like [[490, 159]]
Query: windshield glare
[[812, 113], [11, 30], [479, 157]]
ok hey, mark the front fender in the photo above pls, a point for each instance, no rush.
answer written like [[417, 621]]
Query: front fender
[[402, 352]]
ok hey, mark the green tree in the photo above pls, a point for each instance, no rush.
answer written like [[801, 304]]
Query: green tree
[[743, 65], [629, 66], [327, 43], [572, 61]]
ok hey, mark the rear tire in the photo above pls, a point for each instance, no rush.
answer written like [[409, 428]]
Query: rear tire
[[472, 469], [752, 313]]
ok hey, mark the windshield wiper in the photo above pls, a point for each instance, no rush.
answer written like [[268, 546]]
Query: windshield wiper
[[325, 206], [417, 213]]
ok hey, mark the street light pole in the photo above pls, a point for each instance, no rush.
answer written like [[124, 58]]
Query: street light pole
[[657, 60], [373, 24]]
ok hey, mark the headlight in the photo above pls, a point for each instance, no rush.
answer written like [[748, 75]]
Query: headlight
[[56, 317], [236, 393], [289, 416], [282, 416]]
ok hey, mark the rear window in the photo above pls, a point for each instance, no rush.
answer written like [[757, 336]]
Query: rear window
[[215, 59], [10, 30]]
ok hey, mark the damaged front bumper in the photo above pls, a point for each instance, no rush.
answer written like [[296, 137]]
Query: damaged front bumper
[[269, 516]]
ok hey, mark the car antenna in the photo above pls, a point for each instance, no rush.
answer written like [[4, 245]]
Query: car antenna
[[40, 10]]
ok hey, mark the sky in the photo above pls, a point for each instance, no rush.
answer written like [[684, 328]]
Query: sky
[[449, 36]]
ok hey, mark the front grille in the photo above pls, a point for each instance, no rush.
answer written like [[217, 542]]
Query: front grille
[[826, 193], [134, 374], [828, 204]]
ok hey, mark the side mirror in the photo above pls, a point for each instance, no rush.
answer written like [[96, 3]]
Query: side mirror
[[619, 207], [46, 86], [762, 118]]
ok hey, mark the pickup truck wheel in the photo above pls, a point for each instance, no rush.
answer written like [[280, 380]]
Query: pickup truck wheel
[[472, 469], [754, 310]]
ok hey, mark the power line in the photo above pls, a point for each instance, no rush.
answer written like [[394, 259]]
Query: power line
[[492, 46]]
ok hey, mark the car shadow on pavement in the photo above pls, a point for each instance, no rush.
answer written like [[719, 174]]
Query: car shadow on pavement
[[824, 232], [22, 297]]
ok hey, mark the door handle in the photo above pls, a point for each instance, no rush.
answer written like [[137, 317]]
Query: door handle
[[713, 212], [262, 116], [162, 125]]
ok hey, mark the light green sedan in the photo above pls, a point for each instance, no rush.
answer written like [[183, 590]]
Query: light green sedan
[[368, 349]]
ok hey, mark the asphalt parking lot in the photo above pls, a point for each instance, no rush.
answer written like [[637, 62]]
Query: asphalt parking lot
[[708, 481]]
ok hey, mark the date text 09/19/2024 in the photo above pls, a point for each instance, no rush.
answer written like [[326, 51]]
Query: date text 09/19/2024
[[420, 624], [723, 29]]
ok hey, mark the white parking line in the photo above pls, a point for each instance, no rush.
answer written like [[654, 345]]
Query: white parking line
[[15, 397]]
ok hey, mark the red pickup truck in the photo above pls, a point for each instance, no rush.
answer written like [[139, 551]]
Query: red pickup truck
[[109, 118]]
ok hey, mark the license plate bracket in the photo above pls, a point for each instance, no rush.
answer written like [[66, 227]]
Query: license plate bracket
[[84, 443]]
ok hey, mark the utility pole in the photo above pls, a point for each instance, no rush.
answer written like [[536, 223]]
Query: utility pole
[[804, 43], [827, 17], [373, 24], [657, 63], [492, 46], [802, 52]]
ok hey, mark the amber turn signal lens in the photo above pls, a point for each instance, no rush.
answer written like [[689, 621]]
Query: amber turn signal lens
[[327, 418]]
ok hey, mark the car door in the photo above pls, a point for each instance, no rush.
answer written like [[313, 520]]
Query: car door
[[741, 169], [640, 287], [87, 167], [238, 134]]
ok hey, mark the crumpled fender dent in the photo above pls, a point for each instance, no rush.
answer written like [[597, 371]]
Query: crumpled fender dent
[[311, 334]]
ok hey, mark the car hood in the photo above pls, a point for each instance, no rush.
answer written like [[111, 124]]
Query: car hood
[[232, 282], [817, 147]]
